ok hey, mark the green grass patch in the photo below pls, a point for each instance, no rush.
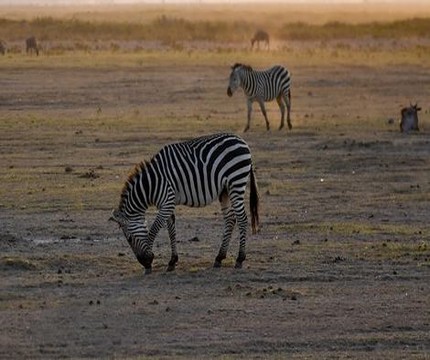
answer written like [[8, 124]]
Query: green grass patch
[[17, 263], [69, 264], [355, 228], [394, 250]]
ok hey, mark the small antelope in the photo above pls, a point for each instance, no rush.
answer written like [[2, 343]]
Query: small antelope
[[260, 35], [31, 45], [409, 118]]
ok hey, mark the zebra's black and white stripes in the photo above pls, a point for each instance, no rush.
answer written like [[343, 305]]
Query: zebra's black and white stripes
[[263, 86], [192, 173]]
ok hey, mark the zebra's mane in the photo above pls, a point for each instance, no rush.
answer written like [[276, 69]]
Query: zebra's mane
[[138, 168], [246, 67]]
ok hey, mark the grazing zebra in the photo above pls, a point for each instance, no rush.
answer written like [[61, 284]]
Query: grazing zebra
[[261, 86], [193, 173], [409, 118], [2, 48], [31, 45], [260, 35]]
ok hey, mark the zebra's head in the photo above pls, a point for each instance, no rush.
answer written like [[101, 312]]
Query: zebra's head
[[123, 222], [136, 233], [234, 82]]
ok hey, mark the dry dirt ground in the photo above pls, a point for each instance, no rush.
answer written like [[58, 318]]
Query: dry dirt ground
[[340, 269]]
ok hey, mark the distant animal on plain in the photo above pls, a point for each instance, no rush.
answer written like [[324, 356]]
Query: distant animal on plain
[[2, 48], [262, 86], [31, 45], [262, 36], [409, 118]]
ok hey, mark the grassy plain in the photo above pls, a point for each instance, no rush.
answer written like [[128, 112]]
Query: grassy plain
[[340, 268]]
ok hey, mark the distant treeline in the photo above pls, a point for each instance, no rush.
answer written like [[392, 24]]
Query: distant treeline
[[410, 28], [165, 28]]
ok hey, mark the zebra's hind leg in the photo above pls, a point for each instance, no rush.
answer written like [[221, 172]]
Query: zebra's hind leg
[[287, 99], [229, 222], [171, 228], [281, 105], [242, 221]]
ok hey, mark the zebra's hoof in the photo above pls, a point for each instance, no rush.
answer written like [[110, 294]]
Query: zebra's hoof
[[171, 268], [238, 265], [148, 271], [290, 126], [217, 264]]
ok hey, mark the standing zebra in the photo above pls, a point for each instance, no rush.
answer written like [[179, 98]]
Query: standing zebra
[[31, 45], [193, 173], [262, 86]]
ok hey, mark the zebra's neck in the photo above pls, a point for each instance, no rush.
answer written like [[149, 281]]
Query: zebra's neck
[[248, 82], [136, 194]]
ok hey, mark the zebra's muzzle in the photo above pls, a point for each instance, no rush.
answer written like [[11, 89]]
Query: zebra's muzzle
[[229, 92]]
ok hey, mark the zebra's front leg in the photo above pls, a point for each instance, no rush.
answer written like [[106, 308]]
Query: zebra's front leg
[[229, 222], [263, 110], [171, 228], [146, 261], [248, 124], [164, 215]]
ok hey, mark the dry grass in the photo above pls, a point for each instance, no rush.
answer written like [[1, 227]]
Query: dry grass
[[214, 23], [171, 29], [143, 14]]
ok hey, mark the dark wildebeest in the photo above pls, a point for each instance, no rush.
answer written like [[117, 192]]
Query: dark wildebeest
[[409, 118], [31, 45], [2, 48], [260, 35]]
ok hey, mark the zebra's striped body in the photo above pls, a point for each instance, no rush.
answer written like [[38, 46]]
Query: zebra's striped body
[[192, 173], [263, 86]]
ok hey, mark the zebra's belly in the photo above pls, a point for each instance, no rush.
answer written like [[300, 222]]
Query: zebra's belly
[[265, 98], [195, 200]]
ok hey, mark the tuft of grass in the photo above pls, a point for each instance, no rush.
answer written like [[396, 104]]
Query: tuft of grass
[[17, 263], [394, 250]]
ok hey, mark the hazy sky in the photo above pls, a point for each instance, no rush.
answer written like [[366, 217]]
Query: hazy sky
[[71, 2]]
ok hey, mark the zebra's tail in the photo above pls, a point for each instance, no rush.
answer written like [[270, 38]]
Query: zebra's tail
[[254, 200]]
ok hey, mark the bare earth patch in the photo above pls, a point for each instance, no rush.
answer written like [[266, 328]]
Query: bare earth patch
[[340, 268]]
